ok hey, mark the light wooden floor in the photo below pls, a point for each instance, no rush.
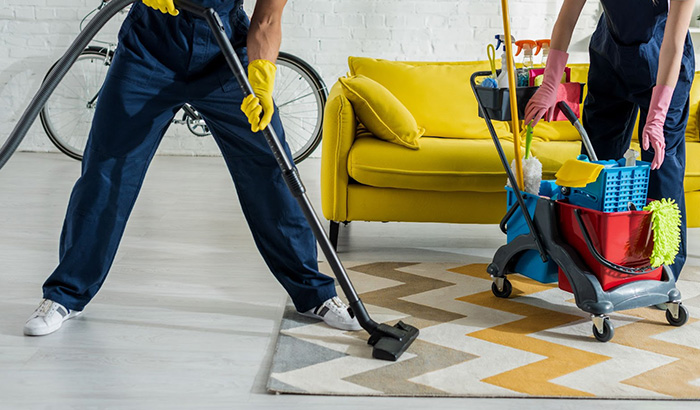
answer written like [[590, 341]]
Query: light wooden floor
[[189, 314]]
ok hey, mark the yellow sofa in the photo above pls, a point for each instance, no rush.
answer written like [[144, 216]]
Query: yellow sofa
[[455, 176]]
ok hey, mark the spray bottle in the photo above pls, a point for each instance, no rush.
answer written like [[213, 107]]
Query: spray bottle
[[502, 78], [543, 45], [527, 47]]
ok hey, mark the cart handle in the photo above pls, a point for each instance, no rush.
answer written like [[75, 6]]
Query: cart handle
[[507, 217], [506, 167], [610, 265]]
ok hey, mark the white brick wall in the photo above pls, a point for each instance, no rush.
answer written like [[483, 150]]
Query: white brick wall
[[34, 33]]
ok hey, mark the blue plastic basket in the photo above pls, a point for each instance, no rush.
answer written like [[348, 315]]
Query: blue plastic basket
[[616, 187], [529, 263]]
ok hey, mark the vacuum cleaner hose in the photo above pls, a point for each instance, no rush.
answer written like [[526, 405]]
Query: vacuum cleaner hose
[[56, 75]]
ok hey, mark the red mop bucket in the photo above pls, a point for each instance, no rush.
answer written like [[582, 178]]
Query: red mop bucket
[[616, 246]]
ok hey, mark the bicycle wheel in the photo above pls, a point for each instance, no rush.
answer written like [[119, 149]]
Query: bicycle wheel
[[300, 95], [67, 115]]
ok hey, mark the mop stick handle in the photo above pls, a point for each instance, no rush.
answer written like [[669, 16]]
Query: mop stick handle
[[515, 121]]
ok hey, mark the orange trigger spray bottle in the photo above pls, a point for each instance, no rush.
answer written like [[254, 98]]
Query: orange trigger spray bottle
[[543, 45], [527, 47]]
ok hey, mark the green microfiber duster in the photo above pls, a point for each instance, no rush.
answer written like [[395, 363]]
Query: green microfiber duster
[[665, 223]]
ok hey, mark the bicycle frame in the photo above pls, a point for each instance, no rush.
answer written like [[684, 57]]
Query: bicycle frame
[[298, 86]]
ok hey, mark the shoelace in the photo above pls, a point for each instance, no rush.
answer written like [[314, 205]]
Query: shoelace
[[336, 305], [47, 307]]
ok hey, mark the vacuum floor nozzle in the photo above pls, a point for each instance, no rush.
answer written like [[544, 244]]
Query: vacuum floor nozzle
[[391, 341]]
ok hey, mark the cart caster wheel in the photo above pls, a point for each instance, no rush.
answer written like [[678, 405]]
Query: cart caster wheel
[[507, 289], [608, 331], [492, 269], [682, 316]]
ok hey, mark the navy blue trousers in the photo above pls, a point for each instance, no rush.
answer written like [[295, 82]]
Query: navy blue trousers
[[620, 83], [161, 63]]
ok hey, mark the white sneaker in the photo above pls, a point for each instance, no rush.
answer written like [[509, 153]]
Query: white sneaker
[[48, 318], [335, 314]]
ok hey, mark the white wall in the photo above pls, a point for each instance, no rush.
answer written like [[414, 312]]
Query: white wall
[[34, 33]]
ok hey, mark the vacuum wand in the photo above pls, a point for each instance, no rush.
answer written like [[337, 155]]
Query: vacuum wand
[[56, 75], [389, 341], [573, 119]]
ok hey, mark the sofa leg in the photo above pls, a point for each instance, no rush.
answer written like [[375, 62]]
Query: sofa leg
[[333, 235]]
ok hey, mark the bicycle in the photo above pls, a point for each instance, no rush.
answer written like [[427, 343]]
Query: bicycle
[[299, 93]]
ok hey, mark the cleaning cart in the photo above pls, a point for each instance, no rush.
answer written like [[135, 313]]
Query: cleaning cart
[[552, 239]]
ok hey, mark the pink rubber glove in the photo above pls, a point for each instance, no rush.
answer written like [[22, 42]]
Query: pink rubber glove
[[654, 127], [546, 96]]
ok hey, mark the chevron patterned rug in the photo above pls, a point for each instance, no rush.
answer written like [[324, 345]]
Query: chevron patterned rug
[[537, 343]]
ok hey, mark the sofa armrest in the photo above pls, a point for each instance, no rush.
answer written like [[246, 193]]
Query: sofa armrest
[[339, 127]]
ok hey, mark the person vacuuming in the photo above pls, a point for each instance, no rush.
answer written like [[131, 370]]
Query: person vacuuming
[[641, 59], [166, 58]]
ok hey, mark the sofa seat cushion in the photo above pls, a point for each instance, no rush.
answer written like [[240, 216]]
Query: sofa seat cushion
[[692, 166], [553, 154], [442, 164], [555, 131], [692, 131]]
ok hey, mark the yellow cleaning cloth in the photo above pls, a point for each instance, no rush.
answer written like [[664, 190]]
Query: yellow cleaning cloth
[[577, 174]]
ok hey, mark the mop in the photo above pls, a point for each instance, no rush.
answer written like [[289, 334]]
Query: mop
[[665, 224]]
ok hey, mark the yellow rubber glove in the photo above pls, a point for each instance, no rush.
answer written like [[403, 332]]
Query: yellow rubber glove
[[261, 75], [165, 6]]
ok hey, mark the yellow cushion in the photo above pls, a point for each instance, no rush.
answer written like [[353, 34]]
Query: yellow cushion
[[367, 203], [692, 205], [553, 154], [692, 167], [555, 131], [438, 94], [382, 114], [692, 131], [441, 164]]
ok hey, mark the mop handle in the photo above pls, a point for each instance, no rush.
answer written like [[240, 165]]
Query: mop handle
[[512, 85], [509, 173]]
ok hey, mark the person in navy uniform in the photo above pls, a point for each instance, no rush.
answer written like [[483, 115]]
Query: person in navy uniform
[[641, 60], [165, 58]]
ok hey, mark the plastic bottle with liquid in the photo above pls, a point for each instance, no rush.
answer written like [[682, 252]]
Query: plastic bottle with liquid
[[502, 78], [527, 47], [543, 45]]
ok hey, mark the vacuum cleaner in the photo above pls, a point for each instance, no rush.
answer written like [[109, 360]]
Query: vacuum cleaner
[[389, 342]]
